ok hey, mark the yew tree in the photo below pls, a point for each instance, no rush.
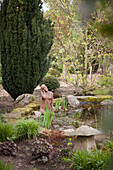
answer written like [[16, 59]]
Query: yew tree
[[26, 38]]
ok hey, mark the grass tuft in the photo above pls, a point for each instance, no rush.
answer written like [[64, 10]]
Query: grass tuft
[[26, 128]]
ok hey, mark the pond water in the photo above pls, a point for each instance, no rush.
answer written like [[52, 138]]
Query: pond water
[[91, 114]]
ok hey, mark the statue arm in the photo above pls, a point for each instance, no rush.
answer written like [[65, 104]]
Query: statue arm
[[43, 94]]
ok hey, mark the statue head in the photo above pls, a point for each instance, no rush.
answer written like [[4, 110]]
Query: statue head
[[43, 87]]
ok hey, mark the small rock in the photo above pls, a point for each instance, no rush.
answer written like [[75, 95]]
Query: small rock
[[37, 113], [44, 159], [33, 162], [72, 100], [69, 132]]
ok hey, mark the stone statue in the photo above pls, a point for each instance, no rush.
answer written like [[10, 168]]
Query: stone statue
[[47, 99]]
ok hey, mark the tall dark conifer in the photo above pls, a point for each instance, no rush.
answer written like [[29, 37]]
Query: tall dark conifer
[[26, 38]]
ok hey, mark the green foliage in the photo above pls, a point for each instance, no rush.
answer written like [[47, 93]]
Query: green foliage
[[26, 38], [51, 82], [26, 128], [54, 72], [61, 102], [48, 117], [64, 104], [105, 91], [2, 116], [108, 146], [57, 104], [6, 131], [5, 166], [84, 160], [106, 80]]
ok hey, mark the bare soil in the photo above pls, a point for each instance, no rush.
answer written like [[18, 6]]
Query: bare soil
[[24, 161]]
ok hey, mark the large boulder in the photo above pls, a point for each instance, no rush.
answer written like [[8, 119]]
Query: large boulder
[[72, 101], [24, 99]]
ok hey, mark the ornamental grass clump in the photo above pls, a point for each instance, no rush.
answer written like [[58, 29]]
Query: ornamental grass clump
[[84, 160], [6, 131], [26, 128]]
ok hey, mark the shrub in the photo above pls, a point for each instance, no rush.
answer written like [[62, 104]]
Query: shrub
[[84, 160], [6, 131], [26, 128], [54, 72], [51, 82], [5, 166], [28, 36]]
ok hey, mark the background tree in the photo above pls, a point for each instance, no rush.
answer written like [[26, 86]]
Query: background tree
[[68, 31], [26, 39], [78, 45]]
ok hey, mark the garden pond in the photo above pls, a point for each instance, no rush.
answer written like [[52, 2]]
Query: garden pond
[[87, 113]]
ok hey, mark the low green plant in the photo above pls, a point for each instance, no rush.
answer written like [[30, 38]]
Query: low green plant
[[84, 160], [2, 116], [108, 146], [26, 128], [96, 121], [6, 166], [6, 131], [64, 104], [105, 91], [57, 104], [47, 120], [51, 82]]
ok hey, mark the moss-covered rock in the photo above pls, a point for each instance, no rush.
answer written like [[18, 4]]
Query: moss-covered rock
[[99, 98], [21, 113]]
